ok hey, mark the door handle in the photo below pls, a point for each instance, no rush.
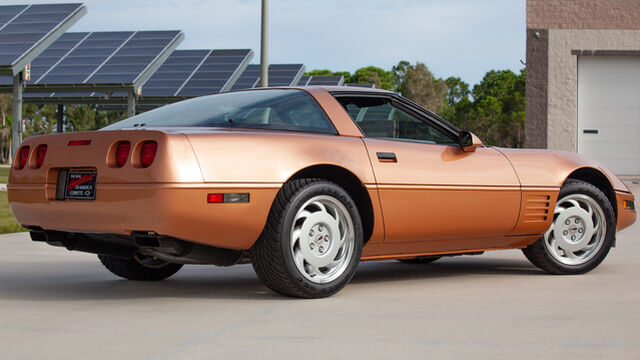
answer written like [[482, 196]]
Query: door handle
[[387, 157], [590, 131]]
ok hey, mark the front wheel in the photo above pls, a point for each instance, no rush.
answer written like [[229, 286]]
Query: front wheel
[[581, 234], [312, 242]]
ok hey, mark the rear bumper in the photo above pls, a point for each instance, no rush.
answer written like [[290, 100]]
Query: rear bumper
[[626, 217], [176, 210]]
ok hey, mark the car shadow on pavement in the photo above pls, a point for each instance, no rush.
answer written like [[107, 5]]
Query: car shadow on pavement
[[82, 281], [444, 268], [86, 281]]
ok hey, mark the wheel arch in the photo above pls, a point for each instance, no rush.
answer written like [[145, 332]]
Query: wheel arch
[[350, 183], [598, 179]]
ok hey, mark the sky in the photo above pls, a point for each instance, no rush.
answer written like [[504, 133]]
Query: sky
[[464, 38]]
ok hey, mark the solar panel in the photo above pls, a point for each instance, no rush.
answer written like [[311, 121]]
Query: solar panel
[[248, 79], [362, 85], [185, 73], [329, 80], [303, 80], [27, 30], [109, 57], [217, 72], [118, 60], [285, 74], [279, 75]]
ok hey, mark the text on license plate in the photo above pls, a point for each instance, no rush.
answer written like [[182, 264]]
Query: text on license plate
[[81, 185]]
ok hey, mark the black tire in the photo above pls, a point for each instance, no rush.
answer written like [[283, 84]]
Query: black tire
[[134, 269], [272, 257], [541, 256], [421, 260]]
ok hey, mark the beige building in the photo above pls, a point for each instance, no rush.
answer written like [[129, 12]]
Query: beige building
[[583, 79]]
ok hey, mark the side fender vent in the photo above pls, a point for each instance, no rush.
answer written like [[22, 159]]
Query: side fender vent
[[536, 207]]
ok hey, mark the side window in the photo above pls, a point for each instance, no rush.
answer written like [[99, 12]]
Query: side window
[[378, 118]]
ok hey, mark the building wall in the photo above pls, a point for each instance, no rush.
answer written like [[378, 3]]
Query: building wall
[[583, 14], [536, 88], [562, 112], [558, 31]]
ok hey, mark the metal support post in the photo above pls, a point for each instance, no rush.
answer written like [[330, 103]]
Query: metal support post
[[131, 103], [264, 61], [16, 126], [60, 118]]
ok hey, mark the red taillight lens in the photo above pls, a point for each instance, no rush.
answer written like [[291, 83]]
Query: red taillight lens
[[41, 152], [215, 198], [79, 142], [148, 153], [122, 153], [24, 155]]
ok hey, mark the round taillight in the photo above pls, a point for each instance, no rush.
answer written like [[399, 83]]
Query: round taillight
[[24, 155], [41, 152], [122, 153], [148, 153]]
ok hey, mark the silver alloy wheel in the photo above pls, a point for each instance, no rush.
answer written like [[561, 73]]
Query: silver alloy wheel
[[322, 239], [150, 261], [578, 230]]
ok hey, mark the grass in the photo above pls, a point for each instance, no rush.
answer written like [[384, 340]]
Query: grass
[[8, 223], [4, 174]]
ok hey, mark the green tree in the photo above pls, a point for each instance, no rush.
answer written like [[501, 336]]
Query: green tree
[[382, 79], [88, 117], [417, 83], [457, 90], [39, 120], [458, 107], [400, 73], [324, 72], [319, 72], [499, 108]]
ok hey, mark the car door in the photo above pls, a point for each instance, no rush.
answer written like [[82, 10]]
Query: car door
[[429, 188]]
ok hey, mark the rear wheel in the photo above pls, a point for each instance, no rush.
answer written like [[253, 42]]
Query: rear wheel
[[581, 234], [141, 267], [312, 242]]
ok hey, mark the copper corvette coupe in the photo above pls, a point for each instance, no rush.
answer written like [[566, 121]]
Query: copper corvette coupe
[[304, 183]]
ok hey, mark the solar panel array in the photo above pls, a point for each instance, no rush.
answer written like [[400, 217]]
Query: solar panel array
[[100, 66], [371, 86], [328, 80], [185, 73], [101, 57], [24, 27], [279, 75], [215, 73]]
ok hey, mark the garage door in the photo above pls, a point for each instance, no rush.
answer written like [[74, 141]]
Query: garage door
[[609, 111]]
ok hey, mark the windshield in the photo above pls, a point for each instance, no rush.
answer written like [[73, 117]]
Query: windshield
[[275, 109]]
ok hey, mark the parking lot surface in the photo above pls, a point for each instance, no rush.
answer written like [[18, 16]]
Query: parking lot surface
[[56, 304]]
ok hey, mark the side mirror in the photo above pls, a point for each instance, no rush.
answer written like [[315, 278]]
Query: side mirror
[[468, 142]]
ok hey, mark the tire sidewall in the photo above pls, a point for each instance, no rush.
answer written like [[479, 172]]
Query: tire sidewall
[[300, 198]]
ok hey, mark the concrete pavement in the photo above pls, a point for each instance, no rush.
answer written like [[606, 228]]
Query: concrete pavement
[[56, 304]]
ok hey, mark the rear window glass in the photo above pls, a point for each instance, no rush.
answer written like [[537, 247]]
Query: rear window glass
[[260, 109]]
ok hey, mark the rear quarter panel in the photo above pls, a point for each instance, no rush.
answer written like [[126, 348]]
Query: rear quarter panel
[[273, 157]]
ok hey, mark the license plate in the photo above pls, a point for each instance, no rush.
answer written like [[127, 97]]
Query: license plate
[[81, 185]]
